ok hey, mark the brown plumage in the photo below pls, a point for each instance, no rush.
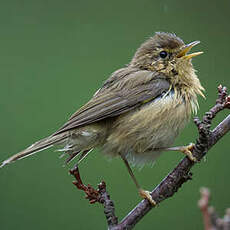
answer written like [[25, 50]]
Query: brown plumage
[[139, 110]]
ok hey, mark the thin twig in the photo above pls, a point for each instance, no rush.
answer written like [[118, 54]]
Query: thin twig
[[100, 195], [203, 205], [210, 217]]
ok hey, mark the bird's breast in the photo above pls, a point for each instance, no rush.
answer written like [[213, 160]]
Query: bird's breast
[[154, 125]]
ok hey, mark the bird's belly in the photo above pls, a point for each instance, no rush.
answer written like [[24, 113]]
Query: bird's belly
[[153, 126]]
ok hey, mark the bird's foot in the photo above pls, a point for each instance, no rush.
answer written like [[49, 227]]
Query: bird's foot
[[146, 195], [187, 151]]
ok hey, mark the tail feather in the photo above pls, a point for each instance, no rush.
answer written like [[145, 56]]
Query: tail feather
[[36, 147]]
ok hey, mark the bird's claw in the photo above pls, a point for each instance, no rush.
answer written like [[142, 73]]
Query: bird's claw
[[187, 151], [146, 195]]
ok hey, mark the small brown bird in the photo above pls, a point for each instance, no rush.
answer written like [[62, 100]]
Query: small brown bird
[[139, 110]]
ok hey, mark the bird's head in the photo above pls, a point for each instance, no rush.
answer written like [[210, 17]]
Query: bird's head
[[168, 54]]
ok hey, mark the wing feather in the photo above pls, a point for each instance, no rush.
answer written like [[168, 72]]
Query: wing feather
[[109, 102]]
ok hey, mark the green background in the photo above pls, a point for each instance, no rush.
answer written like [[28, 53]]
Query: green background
[[53, 57]]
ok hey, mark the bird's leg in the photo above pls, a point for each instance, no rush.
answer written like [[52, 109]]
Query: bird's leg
[[143, 193], [184, 149]]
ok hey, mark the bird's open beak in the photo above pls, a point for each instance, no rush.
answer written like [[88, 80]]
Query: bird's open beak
[[186, 49]]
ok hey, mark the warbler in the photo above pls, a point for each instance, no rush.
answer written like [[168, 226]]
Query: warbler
[[138, 112]]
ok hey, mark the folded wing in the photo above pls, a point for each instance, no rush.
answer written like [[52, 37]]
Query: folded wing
[[109, 101]]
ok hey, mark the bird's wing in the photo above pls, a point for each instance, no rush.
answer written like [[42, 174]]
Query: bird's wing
[[109, 102]]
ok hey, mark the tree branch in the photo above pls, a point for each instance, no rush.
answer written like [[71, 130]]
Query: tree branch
[[179, 175]]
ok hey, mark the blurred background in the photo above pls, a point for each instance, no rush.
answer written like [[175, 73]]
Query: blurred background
[[53, 57]]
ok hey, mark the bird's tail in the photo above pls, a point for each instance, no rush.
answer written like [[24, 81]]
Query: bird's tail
[[37, 147]]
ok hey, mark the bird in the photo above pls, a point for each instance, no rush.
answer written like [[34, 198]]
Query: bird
[[138, 112]]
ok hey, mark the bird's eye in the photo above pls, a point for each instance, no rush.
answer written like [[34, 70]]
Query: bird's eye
[[163, 54]]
